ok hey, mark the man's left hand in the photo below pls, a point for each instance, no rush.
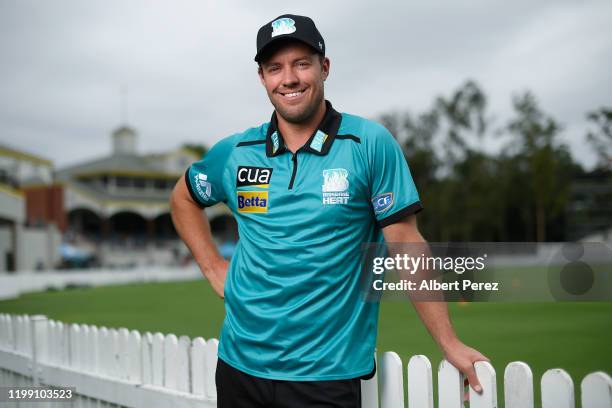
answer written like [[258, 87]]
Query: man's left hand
[[463, 358]]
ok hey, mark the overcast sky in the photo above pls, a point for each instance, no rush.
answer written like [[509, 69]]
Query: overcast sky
[[188, 65]]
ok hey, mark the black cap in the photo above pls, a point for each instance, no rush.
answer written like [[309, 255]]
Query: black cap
[[300, 28]]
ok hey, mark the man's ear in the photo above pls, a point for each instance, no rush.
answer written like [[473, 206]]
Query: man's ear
[[261, 75], [325, 64]]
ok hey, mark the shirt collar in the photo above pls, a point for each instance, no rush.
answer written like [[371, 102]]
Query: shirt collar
[[319, 143]]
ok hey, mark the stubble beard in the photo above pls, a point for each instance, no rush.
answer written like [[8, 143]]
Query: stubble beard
[[300, 116]]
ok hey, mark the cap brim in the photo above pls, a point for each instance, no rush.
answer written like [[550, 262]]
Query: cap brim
[[277, 40]]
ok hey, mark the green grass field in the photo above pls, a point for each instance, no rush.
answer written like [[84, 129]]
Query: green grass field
[[573, 336]]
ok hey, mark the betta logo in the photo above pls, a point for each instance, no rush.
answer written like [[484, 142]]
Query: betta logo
[[252, 201]]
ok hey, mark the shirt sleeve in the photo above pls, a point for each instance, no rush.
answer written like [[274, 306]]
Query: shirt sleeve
[[393, 193], [205, 178]]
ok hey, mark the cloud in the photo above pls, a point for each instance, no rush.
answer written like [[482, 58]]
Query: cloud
[[190, 75]]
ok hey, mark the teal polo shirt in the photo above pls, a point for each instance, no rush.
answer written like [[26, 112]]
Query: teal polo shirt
[[294, 309]]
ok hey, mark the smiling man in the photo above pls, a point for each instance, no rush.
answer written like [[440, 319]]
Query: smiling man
[[307, 189]]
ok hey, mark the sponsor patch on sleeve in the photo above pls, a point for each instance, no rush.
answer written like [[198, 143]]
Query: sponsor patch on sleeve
[[382, 202], [203, 187]]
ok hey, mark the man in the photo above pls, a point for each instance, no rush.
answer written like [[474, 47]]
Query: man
[[306, 189]]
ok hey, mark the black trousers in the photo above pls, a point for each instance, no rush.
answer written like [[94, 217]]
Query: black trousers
[[236, 389]]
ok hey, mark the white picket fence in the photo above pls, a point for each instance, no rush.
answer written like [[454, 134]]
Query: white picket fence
[[122, 368]]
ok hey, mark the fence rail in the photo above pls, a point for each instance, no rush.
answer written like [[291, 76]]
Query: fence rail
[[119, 367]]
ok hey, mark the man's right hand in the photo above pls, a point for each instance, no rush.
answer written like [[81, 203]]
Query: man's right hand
[[216, 272]]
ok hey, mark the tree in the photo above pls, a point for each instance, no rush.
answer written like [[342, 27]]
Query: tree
[[539, 153], [199, 149], [601, 138], [464, 112]]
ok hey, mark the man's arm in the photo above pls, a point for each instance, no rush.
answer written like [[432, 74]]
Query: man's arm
[[435, 314], [193, 227]]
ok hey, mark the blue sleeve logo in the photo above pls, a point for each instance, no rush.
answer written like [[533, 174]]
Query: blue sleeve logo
[[382, 202]]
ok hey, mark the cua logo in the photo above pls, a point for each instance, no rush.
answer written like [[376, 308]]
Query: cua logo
[[253, 176]]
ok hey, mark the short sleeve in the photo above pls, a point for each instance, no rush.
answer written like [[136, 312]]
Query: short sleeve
[[393, 193], [205, 178]]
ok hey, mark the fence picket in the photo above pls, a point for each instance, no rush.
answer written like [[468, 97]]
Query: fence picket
[[134, 371], [17, 340], [28, 335], [518, 386], [94, 346], [114, 360], [210, 352], [124, 357], [64, 343], [198, 367], [420, 383], [74, 345], [91, 349], [450, 386], [84, 351], [105, 349], [157, 359], [146, 344], [171, 365], [596, 390], [3, 331], [51, 341], [486, 376], [183, 363], [9, 334], [12, 343], [391, 381], [24, 338], [557, 389], [369, 390]]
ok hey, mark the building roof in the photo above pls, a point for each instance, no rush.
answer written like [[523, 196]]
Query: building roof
[[5, 150], [101, 195], [121, 164]]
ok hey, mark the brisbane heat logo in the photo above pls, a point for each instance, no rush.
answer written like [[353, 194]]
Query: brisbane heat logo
[[335, 186], [283, 26]]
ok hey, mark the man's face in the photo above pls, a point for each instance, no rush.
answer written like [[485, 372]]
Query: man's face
[[293, 77]]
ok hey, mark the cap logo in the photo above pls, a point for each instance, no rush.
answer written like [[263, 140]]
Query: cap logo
[[283, 26]]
